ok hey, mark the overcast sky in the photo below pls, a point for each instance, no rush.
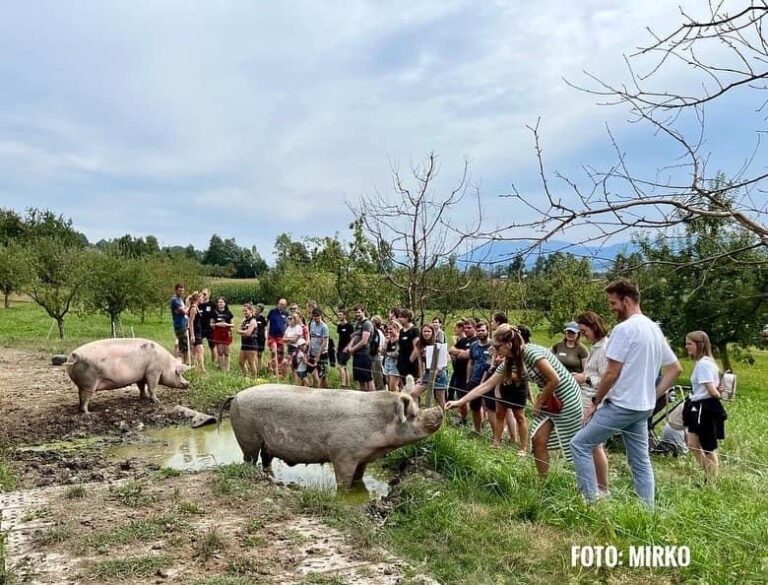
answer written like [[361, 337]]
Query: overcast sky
[[248, 119]]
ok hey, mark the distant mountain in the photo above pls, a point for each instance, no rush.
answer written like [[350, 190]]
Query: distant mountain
[[499, 253]]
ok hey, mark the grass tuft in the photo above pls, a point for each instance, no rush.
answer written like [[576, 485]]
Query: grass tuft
[[75, 492], [208, 545], [129, 567], [132, 494]]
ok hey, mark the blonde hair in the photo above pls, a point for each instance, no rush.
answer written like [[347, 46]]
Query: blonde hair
[[703, 345]]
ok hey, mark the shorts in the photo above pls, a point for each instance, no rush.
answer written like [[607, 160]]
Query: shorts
[[222, 336], [198, 341], [441, 380], [362, 367], [277, 341], [183, 338], [248, 347], [302, 374], [211, 342], [514, 395], [321, 367], [390, 367], [342, 357], [487, 400]]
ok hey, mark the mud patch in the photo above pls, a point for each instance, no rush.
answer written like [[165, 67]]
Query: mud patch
[[38, 403], [189, 529]]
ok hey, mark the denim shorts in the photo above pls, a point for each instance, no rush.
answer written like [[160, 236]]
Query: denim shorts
[[390, 367], [441, 380]]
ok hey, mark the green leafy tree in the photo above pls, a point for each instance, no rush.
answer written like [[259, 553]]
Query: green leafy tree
[[114, 287], [229, 259], [12, 227], [15, 270], [290, 251], [561, 286], [61, 275], [686, 290], [43, 224]]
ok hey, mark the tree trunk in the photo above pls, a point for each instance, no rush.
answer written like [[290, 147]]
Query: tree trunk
[[722, 349], [60, 325], [143, 315], [7, 303]]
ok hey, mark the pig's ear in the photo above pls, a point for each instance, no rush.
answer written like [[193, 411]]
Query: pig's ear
[[406, 408], [400, 407], [182, 367]]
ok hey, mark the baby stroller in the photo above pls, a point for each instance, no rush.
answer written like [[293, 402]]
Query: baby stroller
[[666, 433]]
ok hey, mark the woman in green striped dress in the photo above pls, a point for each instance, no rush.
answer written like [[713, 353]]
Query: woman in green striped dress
[[549, 430]]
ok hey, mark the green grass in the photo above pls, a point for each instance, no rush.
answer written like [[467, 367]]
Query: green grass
[[223, 580], [132, 494], [210, 543], [129, 567], [25, 324], [141, 530], [491, 496], [8, 481], [490, 520], [75, 492]]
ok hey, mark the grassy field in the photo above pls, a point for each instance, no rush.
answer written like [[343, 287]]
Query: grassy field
[[480, 515]]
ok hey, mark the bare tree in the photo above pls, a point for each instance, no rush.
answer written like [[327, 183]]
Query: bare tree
[[729, 53], [414, 231]]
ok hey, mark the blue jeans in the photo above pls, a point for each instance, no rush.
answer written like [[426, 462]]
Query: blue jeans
[[633, 426]]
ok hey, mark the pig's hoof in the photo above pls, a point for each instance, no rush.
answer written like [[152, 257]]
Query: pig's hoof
[[156, 400]]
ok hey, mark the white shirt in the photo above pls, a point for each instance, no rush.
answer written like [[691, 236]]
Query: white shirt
[[595, 366], [704, 372], [639, 345]]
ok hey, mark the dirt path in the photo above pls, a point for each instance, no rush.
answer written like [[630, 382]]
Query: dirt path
[[38, 403], [80, 517]]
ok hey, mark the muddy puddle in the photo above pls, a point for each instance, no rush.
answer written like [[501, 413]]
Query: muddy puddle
[[188, 449]]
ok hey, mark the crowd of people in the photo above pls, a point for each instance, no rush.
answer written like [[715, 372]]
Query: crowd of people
[[585, 396]]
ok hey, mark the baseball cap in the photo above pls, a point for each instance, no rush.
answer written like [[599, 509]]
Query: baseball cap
[[572, 326]]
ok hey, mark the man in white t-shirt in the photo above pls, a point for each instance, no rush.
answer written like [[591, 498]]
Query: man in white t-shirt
[[627, 392]]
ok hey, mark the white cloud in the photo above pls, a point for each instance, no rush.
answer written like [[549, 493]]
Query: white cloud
[[293, 106]]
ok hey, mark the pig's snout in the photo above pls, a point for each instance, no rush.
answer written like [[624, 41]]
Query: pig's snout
[[433, 418]]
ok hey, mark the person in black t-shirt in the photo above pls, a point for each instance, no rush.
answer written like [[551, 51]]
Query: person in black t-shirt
[[359, 349], [261, 333], [221, 324], [408, 334], [460, 355], [206, 308], [247, 333], [344, 331]]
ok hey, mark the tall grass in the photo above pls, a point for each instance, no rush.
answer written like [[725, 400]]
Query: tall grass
[[490, 493]]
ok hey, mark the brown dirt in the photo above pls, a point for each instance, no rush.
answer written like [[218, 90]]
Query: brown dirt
[[38, 406], [200, 534], [38, 403], [261, 533]]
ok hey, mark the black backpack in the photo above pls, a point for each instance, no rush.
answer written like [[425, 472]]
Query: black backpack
[[373, 342]]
